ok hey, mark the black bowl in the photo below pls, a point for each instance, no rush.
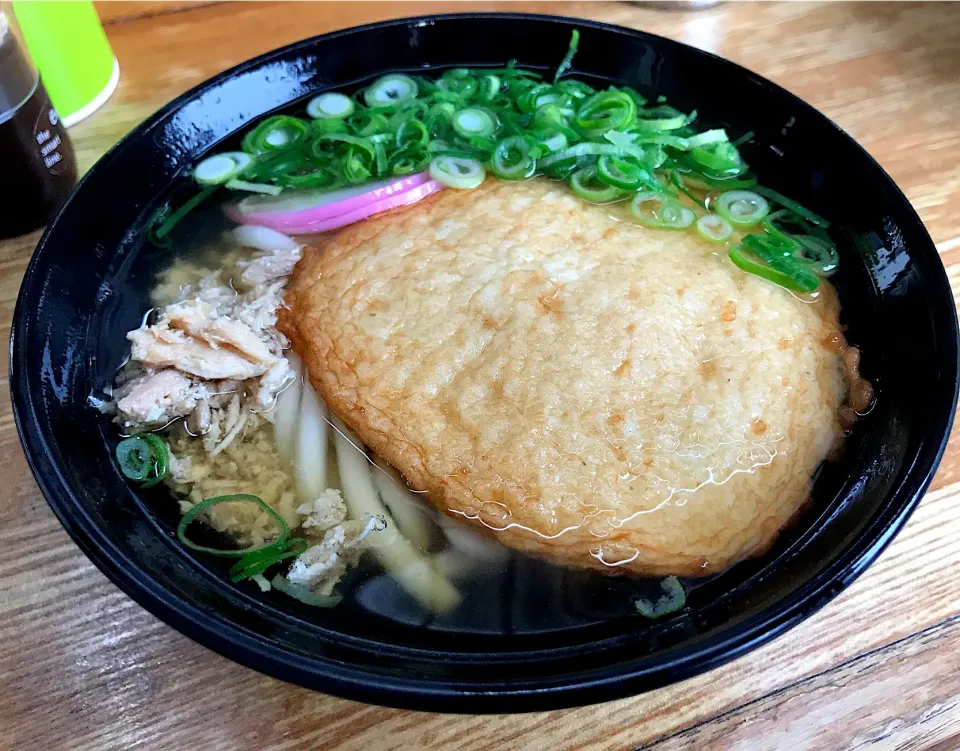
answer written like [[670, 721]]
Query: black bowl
[[87, 284]]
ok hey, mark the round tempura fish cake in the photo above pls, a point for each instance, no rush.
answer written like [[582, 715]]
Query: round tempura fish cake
[[601, 394]]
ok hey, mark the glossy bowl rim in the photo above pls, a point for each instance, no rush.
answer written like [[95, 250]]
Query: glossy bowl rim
[[229, 639]]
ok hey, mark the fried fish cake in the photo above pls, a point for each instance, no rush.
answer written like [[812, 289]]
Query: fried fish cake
[[599, 394]]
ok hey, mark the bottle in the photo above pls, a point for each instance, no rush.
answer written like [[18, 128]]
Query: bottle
[[37, 165]]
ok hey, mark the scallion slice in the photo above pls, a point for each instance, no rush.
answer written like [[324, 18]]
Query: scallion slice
[[270, 190], [707, 138], [765, 257], [720, 160], [456, 172], [678, 180], [742, 208], [144, 458], [135, 458], [584, 183], [656, 210], [331, 105], [672, 599], [714, 228], [208, 503], [411, 133], [568, 58], [274, 133], [621, 173], [795, 207], [474, 121], [164, 220], [220, 168], [258, 561], [608, 110], [489, 87], [391, 89], [511, 159], [409, 161], [161, 460], [662, 117], [579, 150], [822, 254]]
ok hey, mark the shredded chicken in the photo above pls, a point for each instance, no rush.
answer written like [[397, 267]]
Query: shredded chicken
[[159, 398], [214, 334], [321, 566], [324, 512], [214, 356], [268, 267], [246, 464], [162, 346]]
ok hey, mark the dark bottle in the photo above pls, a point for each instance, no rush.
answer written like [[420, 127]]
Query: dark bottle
[[37, 165]]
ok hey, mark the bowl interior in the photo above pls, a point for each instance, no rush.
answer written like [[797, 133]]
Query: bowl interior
[[88, 284]]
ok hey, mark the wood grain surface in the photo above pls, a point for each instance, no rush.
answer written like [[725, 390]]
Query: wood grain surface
[[82, 666]]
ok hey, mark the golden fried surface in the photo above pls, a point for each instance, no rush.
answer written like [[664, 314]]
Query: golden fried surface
[[603, 394]]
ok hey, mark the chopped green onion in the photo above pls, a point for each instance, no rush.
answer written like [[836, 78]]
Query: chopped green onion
[[259, 561], [409, 161], [161, 460], [331, 106], [677, 180], [208, 503], [455, 172], [367, 123], [584, 183], [655, 210], [278, 132], [304, 595], [552, 143], [742, 208], [707, 138], [511, 159], [460, 83], [568, 58], [620, 173], [270, 190], [822, 254], [672, 600], [579, 150], [662, 117], [309, 176], [135, 457], [474, 121], [625, 142], [329, 125], [220, 168], [714, 228], [795, 207], [772, 264], [516, 124], [392, 89], [581, 90], [144, 458], [411, 133], [720, 160], [706, 182], [489, 87], [164, 221], [676, 142], [807, 242], [608, 110]]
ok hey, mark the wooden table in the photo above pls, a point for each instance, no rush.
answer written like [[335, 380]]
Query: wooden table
[[82, 666]]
